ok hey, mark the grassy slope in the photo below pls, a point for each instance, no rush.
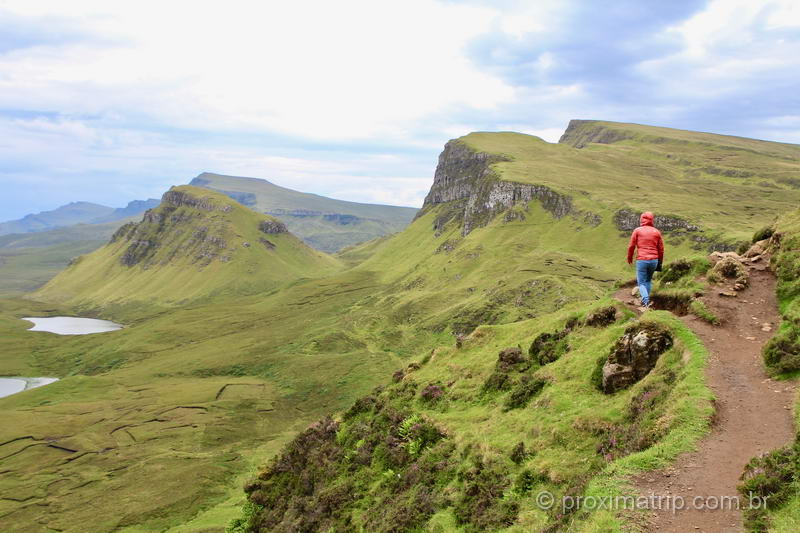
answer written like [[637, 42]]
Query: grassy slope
[[562, 430], [662, 170], [315, 346], [177, 272], [319, 232]]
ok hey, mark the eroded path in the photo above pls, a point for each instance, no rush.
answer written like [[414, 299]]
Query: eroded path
[[754, 412]]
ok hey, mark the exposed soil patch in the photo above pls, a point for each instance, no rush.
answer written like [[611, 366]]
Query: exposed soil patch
[[754, 412], [678, 304]]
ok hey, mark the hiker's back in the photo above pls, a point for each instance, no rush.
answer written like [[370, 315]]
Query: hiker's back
[[648, 242]]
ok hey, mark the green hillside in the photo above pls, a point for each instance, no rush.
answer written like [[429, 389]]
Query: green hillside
[[324, 223], [724, 184], [196, 244], [174, 413]]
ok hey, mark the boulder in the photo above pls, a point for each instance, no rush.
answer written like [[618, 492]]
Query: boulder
[[719, 256], [634, 355], [730, 267], [272, 227], [753, 251]]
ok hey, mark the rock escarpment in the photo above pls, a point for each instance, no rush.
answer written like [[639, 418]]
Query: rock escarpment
[[628, 220], [475, 194], [184, 225]]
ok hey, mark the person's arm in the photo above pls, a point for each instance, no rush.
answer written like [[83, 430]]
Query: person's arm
[[632, 246]]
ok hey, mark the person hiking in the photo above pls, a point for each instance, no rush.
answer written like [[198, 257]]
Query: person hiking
[[647, 241]]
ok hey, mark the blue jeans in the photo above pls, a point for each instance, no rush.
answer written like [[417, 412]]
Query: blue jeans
[[644, 276]]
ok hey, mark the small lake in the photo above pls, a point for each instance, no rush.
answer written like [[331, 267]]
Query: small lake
[[60, 325], [9, 386], [70, 325]]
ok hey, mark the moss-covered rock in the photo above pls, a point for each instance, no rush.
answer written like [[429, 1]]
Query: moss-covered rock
[[634, 355]]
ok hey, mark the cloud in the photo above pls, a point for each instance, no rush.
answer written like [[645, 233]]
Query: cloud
[[107, 101]]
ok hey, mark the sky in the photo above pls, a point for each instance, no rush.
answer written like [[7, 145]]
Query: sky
[[114, 101]]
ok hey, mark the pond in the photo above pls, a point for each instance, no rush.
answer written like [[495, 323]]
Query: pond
[[70, 325], [9, 386], [60, 325]]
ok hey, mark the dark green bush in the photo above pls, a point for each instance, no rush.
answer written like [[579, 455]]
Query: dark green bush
[[764, 233], [771, 475], [523, 392], [480, 506], [548, 347], [498, 381], [518, 453], [683, 268], [782, 352], [597, 373], [527, 480]]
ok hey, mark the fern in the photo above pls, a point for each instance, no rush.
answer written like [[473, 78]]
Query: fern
[[404, 430]]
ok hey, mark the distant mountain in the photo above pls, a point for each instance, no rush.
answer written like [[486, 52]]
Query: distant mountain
[[196, 244], [74, 213], [323, 223], [133, 208], [29, 260], [66, 215]]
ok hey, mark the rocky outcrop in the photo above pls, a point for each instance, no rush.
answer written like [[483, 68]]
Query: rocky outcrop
[[634, 355], [465, 180], [628, 220], [272, 227], [170, 223], [174, 198], [729, 266]]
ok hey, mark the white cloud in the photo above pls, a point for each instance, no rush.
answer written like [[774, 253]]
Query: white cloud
[[311, 94], [337, 70]]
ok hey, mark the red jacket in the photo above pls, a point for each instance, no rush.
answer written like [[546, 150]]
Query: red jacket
[[647, 240]]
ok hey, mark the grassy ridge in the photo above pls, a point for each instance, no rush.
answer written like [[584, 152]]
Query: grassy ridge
[[725, 184]]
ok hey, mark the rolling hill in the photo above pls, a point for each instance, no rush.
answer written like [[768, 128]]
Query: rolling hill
[[196, 244], [460, 354], [323, 223]]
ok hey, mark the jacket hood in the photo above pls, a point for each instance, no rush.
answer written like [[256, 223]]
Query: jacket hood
[[646, 219]]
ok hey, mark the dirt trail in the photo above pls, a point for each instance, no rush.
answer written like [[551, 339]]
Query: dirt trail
[[753, 412]]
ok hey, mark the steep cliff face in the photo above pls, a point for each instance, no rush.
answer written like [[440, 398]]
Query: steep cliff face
[[464, 180]]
